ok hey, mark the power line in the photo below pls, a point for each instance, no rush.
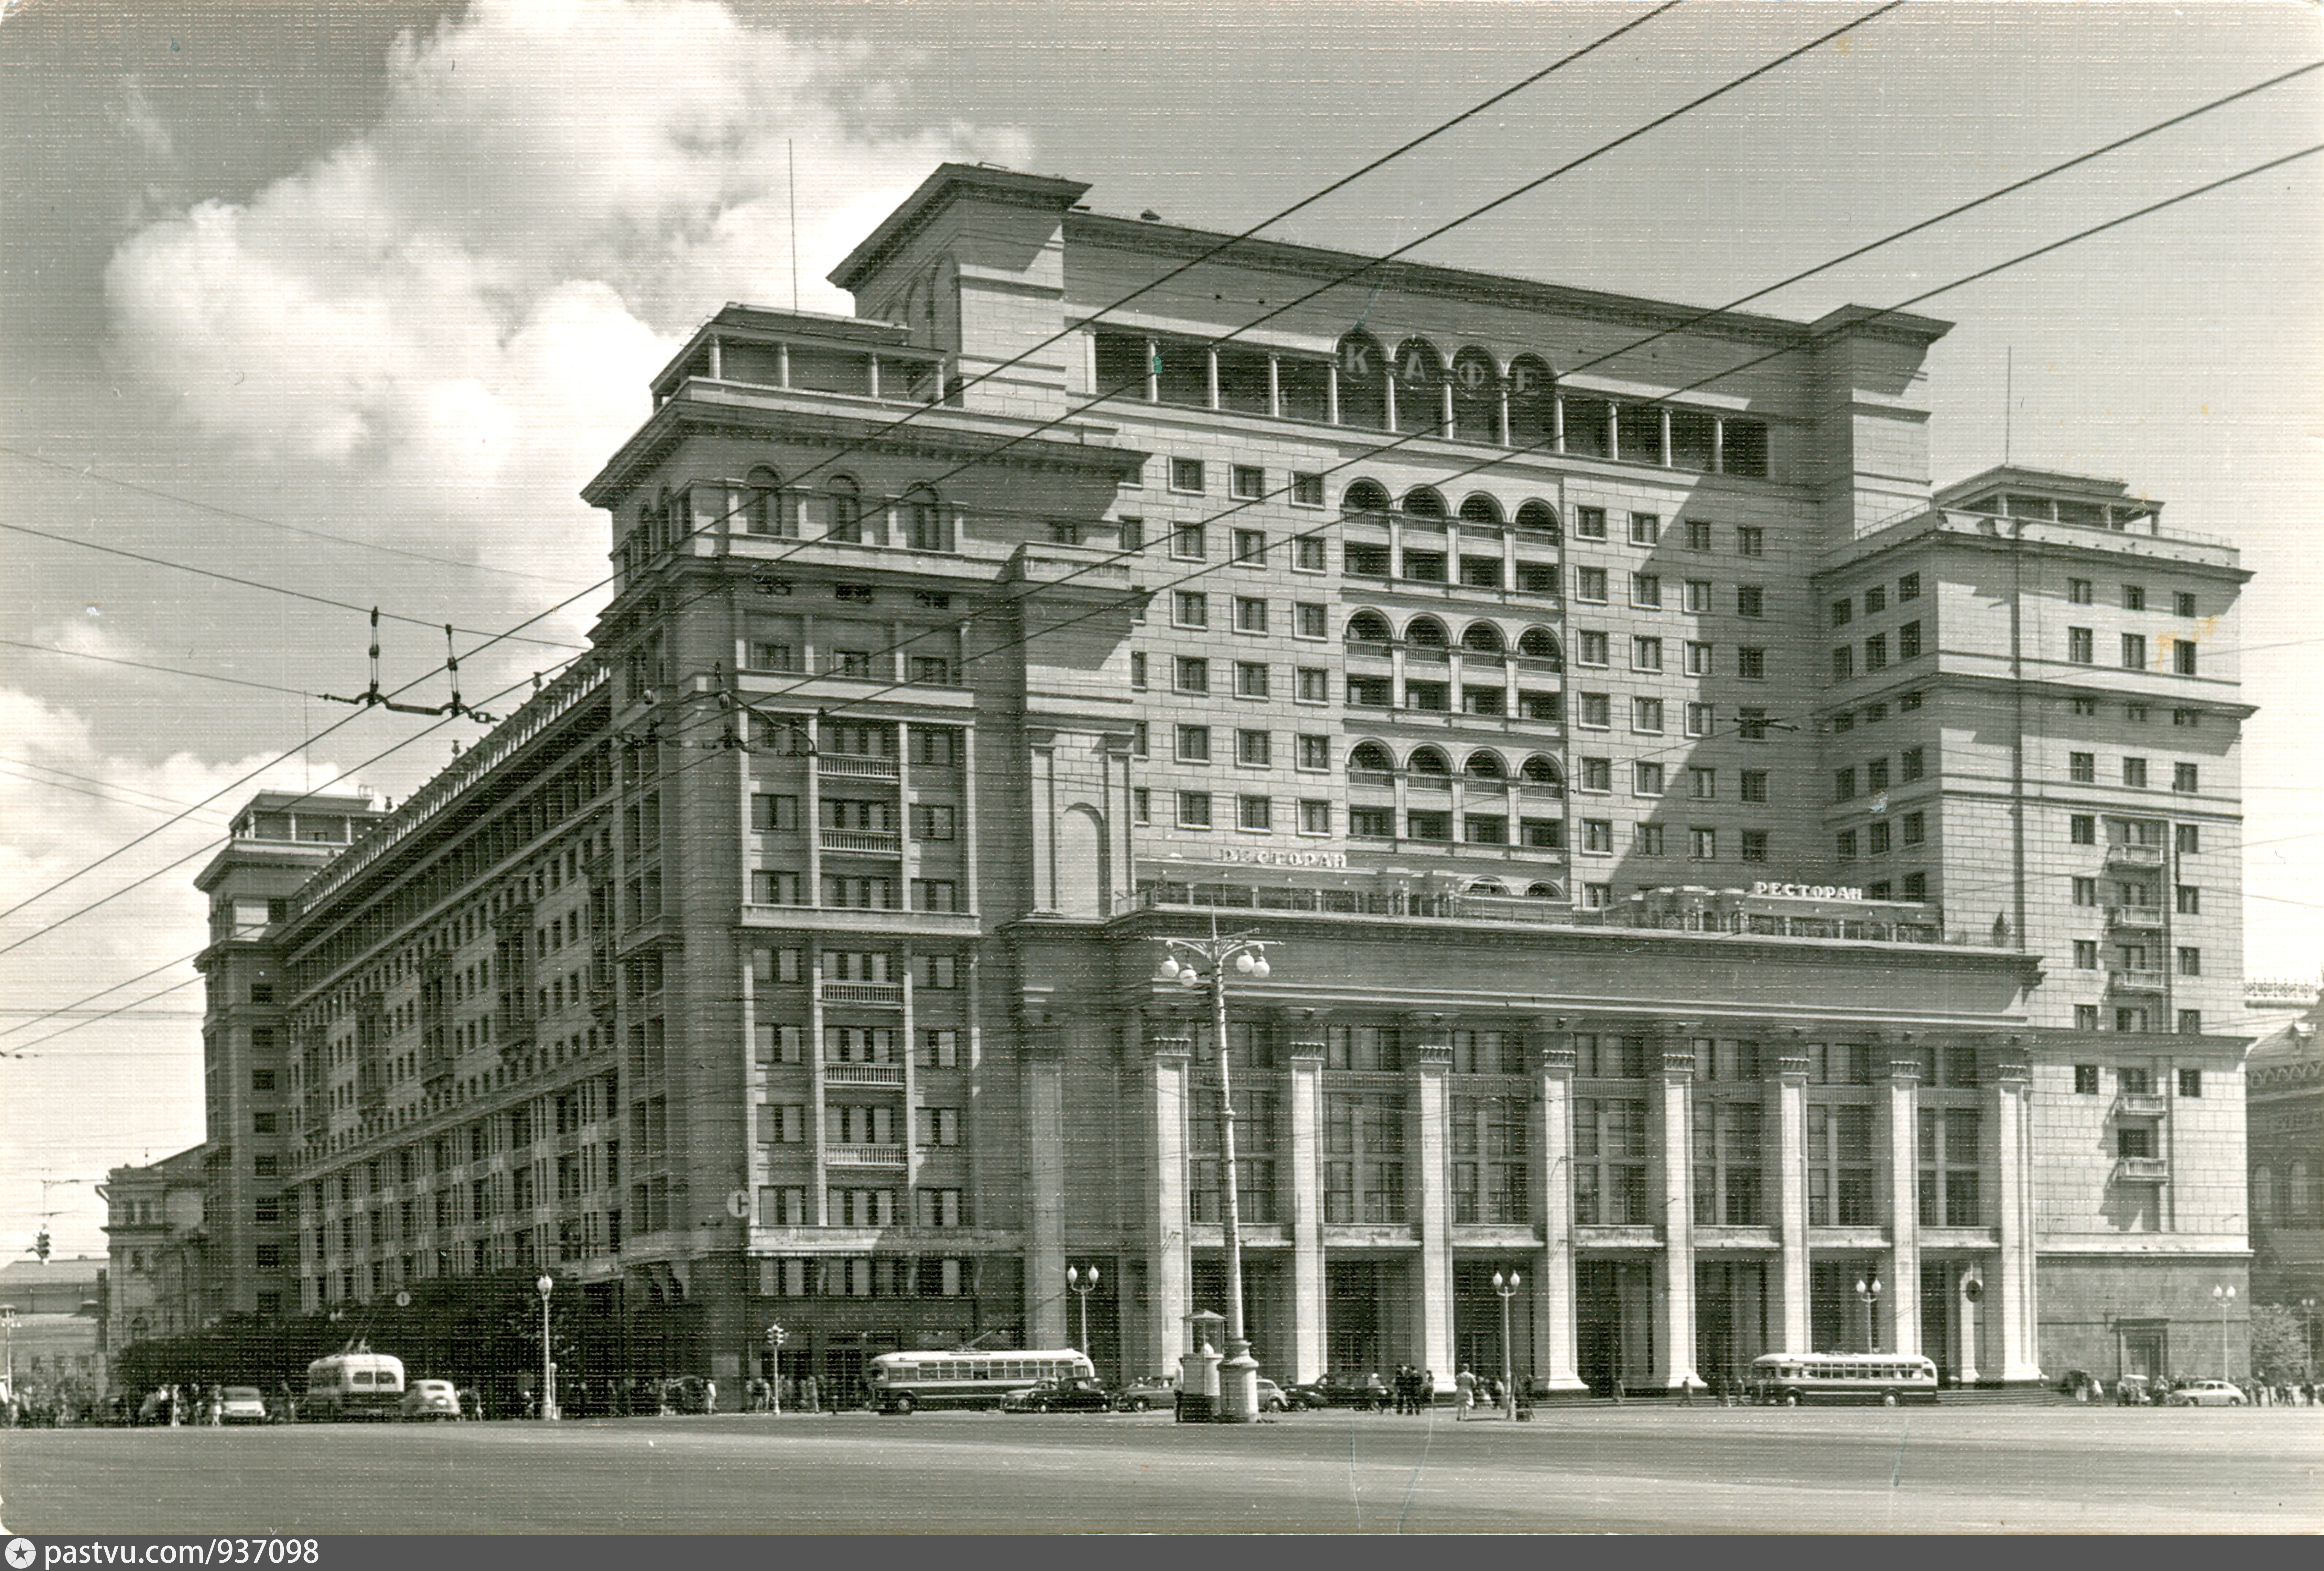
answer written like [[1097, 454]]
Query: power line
[[165, 670]]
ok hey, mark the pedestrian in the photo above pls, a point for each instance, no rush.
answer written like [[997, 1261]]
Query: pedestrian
[[1464, 1392], [1423, 1391], [709, 1396]]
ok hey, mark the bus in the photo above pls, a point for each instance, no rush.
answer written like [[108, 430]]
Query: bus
[[1789, 1379], [903, 1382], [357, 1383]]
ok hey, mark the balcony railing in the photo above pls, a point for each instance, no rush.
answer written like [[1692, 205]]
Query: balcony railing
[[1382, 778], [864, 1156], [2122, 854], [873, 841], [2126, 979], [2142, 1169], [2140, 917], [864, 1074], [2142, 1104], [856, 765], [889, 993]]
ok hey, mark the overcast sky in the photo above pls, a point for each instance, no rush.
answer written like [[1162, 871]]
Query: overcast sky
[[349, 297]]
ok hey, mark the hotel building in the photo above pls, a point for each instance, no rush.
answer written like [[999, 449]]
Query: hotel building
[[1707, 868]]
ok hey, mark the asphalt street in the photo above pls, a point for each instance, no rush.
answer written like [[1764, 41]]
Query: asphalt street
[[1637, 1469]]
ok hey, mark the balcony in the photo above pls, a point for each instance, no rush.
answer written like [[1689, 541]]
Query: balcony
[[864, 1157], [2141, 1105], [872, 843], [2142, 1170], [856, 766], [2137, 918], [2122, 854], [864, 1074], [1379, 779], [2124, 979], [888, 994]]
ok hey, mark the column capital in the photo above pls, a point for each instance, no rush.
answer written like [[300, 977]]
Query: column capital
[[1903, 1070], [2015, 1069], [1790, 1059], [1300, 1051], [1431, 1057], [1678, 1048], [1178, 1047]]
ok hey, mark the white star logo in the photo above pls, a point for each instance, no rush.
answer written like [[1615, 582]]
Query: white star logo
[[20, 1553]]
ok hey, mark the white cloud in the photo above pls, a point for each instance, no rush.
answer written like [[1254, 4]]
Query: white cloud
[[453, 316]]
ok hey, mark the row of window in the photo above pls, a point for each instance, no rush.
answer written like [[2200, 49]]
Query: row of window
[[1876, 600], [2139, 714], [855, 891], [857, 1124], [2083, 769], [2135, 1018], [773, 812], [2135, 896], [1846, 719], [1876, 652], [1880, 837], [2081, 649], [2083, 591], [934, 1047], [1593, 648], [2132, 957], [1912, 764]]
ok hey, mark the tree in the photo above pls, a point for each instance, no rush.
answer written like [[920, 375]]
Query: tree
[[2279, 1344]]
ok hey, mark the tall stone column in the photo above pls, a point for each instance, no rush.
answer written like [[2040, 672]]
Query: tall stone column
[[1900, 1128], [1674, 1268], [1432, 1061], [1553, 1202], [2012, 1136], [1789, 1092], [1043, 1065], [1169, 1285], [1306, 1118]]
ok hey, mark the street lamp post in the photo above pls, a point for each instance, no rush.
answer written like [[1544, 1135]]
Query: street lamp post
[[1238, 1376], [1082, 1283], [1506, 1286], [2224, 1296], [544, 1287], [1868, 1290], [2308, 1315]]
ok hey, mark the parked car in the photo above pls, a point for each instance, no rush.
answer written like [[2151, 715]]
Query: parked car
[[1343, 1388], [1077, 1395], [242, 1404], [1147, 1393], [431, 1399], [1271, 1397], [2206, 1393]]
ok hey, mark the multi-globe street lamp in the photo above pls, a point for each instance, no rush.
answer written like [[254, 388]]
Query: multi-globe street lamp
[[544, 1286], [1868, 1290], [2223, 1295], [1205, 963], [1506, 1286], [1082, 1283]]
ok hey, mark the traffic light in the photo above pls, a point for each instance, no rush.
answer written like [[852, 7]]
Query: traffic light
[[777, 1335], [41, 1244]]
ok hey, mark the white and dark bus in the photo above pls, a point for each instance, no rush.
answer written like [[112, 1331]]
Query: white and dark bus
[[903, 1382], [357, 1383], [1789, 1379]]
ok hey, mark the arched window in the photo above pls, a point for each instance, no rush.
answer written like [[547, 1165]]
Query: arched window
[[1419, 386], [1428, 762], [926, 527], [1365, 496], [1482, 639], [1426, 632], [1487, 886], [1540, 769], [1538, 518], [762, 503], [1539, 644], [2264, 1195], [1544, 891], [1533, 402], [1423, 502], [847, 511], [1363, 383], [1476, 395], [1368, 627], [1484, 764], [2302, 1194], [1477, 507], [1371, 758]]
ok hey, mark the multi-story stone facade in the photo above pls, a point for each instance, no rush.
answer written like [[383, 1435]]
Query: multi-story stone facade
[[794, 960]]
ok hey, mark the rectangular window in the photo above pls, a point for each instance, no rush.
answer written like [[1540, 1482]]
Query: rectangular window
[[2082, 769], [1843, 611], [1365, 561], [2182, 604], [1698, 660], [1363, 692], [1543, 833], [2085, 954], [1646, 529], [1190, 608], [2083, 829], [2086, 1018], [1647, 590], [2191, 1024], [1314, 687], [1250, 547], [1597, 711], [1751, 665], [1843, 663], [1598, 836], [1484, 829], [1755, 786], [1908, 641], [1371, 822], [1194, 810], [934, 894], [1590, 584], [1755, 845], [2082, 647], [1647, 839], [1191, 673], [1700, 720], [1138, 672], [1915, 826], [1596, 774], [1315, 752], [1751, 600], [1750, 540], [1141, 803], [2191, 962], [2190, 900], [1843, 784], [1314, 816], [1254, 813], [1187, 542], [2085, 891], [1306, 489], [1250, 679], [1589, 523], [933, 821], [2134, 651], [2134, 597], [1592, 647], [2187, 839], [1185, 474], [1703, 785], [772, 813], [1645, 654], [1912, 764], [1698, 596], [1877, 836], [1309, 620], [1307, 554], [2187, 717], [1249, 482], [1139, 746], [1908, 587], [1193, 744], [1429, 825], [1698, 534], [1646, 779], [1702, 845], [2077, 591], [1253, 748], [1844, 845], [2184, 779], [2134, 773]]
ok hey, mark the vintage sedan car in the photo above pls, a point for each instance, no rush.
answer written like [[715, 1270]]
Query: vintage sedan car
[[2204, 1393], [1343, 1388], [1147, 1393], [242, 1404], [430, 1399], [1076, 1395], [1271, 1397]]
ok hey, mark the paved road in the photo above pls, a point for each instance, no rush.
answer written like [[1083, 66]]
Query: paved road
[[1596, 1470]]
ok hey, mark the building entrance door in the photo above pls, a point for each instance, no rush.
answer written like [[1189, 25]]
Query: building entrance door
[[2145, 1348], [843, 1378]]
